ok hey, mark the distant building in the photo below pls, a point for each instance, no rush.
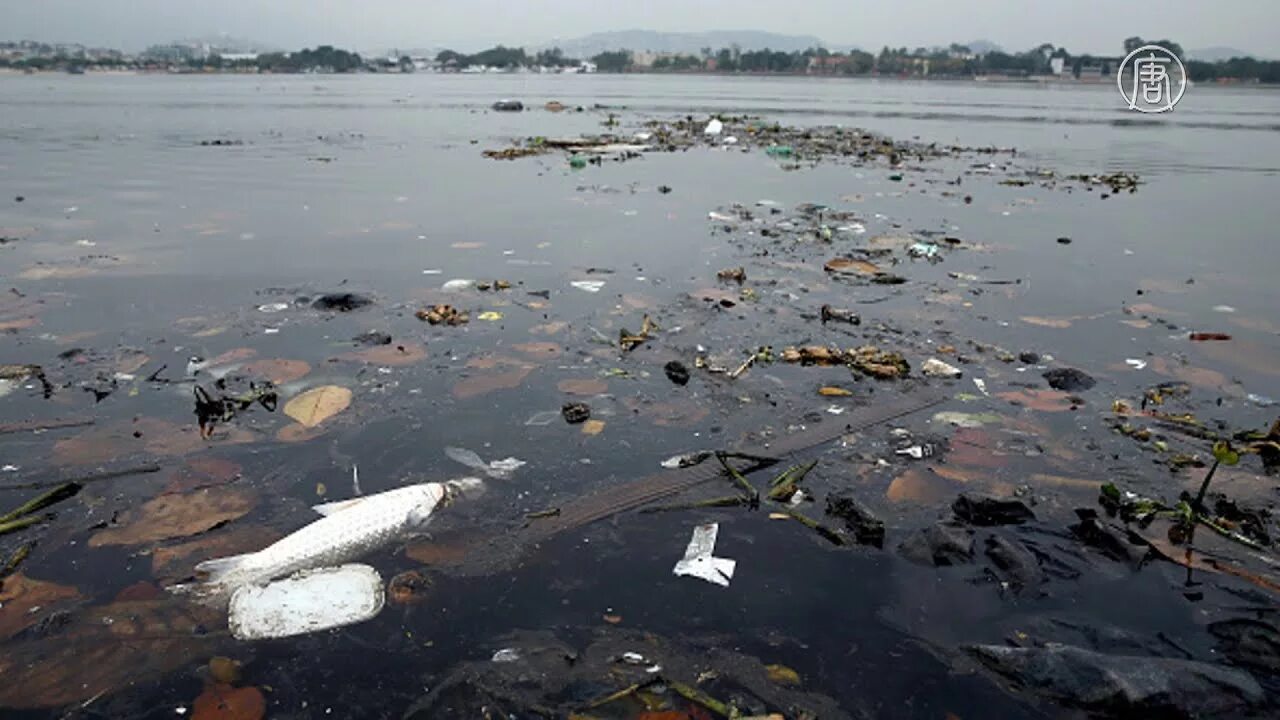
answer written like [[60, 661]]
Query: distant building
[[239, 57], [828, 64]]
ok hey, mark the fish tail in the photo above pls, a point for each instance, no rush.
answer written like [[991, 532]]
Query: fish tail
[[219, 581], [219, 570]]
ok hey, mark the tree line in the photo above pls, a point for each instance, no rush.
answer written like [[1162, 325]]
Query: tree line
[[953, 61]]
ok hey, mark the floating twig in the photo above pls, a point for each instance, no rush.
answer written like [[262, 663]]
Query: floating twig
[[86, 479], [65, 491], [16, 559], [726, 501], [33, 425], [693, 694]]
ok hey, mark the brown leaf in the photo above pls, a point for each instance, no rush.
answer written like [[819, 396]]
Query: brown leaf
[[277, 370], [173, 516], [613, 619], [1199, 377], [172, 562], [318, 404], [233, 356], [1038, 399], [22, 600], [584, 386], [851, 266], [593, 427], [551, 328], [141, 591], [223, 702], [921, 486], [102, 649], [392, 355], [202, 472], [834, 392], [408, 588], [131, 361], [296, 432], [436, 554], [19, 324], [1047, 321], [539, 350], [477, 385]]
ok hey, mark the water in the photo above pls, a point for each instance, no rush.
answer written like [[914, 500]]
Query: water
[[132, 234]]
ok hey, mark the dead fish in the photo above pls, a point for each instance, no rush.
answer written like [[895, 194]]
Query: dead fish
[[348, 530]]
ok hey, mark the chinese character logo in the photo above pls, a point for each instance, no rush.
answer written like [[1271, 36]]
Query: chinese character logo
[[1152, 79]]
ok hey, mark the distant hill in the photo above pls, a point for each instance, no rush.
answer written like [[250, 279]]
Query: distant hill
[[982, 47], [228, 43], [690, 43], [1214, 54]]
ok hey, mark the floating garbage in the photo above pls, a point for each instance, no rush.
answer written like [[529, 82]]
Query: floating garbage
[[457, 284], [933, 367], [497, 469], [506, 655], [688, 459], [273, 307], [715, 127], [591, 286], [927, 251], [508, 106], [779, 151], [1135, 363], [700, 563], [310, 601]]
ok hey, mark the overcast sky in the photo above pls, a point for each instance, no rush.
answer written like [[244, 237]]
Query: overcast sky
[[1079, 25]]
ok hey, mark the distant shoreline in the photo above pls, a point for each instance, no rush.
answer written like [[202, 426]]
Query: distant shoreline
[[1035, 80]]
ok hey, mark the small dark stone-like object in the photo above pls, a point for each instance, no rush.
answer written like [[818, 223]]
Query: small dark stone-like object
[[988, 510], [676, 372], [372, 338], [939, 545], [1069, 379], [19, 199], [575, 413], [1028, 357], [341, 302], [1064, 241], [866, 527], [664, 189]]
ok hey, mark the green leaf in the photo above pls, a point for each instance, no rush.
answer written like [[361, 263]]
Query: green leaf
[[1224, 453], [1111, 492]]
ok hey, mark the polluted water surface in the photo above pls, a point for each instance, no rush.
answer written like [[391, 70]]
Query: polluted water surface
[[803, 409]]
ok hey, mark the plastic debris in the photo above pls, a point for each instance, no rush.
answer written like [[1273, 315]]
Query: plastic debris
[[1223, 309], [497, 469], [307, 602], [981, 385], [779, 151], [933, 367], [273, 307], [506, 655], [1135, 363], [591, 286], [715, 127], [918, 452], [490, 315], [698, 560], [541, 419], [927, 251], [457, 284], [688, 459], [1260, 400]]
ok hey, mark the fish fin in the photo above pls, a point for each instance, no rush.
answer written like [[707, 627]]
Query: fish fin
[[218, 568], [328, 509]]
